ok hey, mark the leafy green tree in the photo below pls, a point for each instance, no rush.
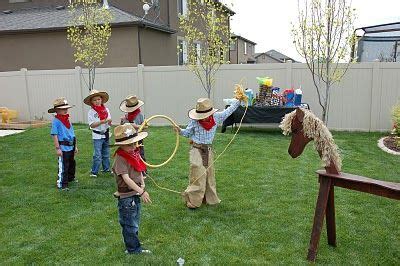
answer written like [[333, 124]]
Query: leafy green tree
[[89, 33], [207, 36]]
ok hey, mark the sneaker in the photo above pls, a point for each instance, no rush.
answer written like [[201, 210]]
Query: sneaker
[[63, 189], [93, 175], [108, 172], [144, 251]]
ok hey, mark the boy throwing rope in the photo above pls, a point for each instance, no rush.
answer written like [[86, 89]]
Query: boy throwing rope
[[201, 131]]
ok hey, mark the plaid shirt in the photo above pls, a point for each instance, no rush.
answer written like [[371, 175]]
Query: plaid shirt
[[201, 136]]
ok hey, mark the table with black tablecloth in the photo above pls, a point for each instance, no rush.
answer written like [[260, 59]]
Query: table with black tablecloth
[[268, 114]]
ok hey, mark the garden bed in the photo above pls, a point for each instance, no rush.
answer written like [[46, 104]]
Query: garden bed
[[24, 124]]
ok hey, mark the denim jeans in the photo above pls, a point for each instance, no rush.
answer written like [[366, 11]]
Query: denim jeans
[[101, 155], [129, 216]]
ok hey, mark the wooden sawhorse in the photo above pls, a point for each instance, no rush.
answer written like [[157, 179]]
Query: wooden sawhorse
[[326, 202]]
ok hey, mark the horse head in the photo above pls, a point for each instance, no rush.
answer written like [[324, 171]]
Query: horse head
[[299, 139]]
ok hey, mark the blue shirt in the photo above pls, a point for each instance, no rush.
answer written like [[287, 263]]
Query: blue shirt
[[63, 133], [201, 136]]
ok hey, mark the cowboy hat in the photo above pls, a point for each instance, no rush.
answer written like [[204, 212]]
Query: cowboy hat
[[130, 104], [126, 134], [93, 93], [204, 108], [59, 103]]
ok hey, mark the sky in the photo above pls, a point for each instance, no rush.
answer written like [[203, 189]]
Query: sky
[[268, 22]]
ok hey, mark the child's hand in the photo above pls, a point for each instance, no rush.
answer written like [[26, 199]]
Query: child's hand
[[177, 129], [58, 152], [76, 150], [109, 120], [146, 197]]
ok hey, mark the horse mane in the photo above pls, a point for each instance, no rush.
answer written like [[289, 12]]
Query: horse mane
[[315, 129]]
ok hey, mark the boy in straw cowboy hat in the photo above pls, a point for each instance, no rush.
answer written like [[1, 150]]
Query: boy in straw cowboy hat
[[131, 107], [201, 130], [64, 139], [99, 120], [128, 168]]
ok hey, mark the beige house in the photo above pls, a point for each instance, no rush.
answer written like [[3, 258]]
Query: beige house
[[242, 50], [33, 34], [272, 56]]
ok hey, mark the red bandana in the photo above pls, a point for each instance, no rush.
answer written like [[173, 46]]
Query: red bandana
[[133, 158], [101, 111], [132, 115], [64, 119], [207, 123]]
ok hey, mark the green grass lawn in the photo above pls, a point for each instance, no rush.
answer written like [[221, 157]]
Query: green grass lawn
[[265, 216]]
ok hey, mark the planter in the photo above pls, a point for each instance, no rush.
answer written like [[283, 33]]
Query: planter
[[388, 145]]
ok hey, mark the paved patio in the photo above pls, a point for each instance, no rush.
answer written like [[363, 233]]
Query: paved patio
[[7, 132]]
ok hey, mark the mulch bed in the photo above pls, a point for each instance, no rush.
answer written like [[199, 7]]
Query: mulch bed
[[390, 143]]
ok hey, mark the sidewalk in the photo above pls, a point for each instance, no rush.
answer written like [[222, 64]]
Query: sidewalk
[[7, 132]]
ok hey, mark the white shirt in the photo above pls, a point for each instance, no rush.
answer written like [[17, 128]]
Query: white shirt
[[94, 117]]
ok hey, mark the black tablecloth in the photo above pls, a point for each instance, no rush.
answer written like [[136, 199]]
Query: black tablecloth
[[257, 115]]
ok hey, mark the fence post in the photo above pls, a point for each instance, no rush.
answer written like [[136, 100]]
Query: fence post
[[376, 92], [140, 84], [78, 84], [289, 82], [28, 102]]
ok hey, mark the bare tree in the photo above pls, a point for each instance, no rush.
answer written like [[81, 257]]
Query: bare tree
[[324, 36]]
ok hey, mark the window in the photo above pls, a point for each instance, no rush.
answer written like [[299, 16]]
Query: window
[[182, 55], [233, 45], [245, 47], [182, 7]]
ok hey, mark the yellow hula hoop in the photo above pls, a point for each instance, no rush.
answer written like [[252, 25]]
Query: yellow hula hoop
[[146, 123]]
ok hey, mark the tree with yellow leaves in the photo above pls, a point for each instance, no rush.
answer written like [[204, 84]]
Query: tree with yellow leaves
[[323, 36], [89, 33], [207, 36]]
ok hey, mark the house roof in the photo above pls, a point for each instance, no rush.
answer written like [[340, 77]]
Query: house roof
[[50, 18], [276, 55], [242, 38], [259, 54]]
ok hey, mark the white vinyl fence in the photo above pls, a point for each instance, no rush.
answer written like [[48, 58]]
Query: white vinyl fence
[[362, 101]]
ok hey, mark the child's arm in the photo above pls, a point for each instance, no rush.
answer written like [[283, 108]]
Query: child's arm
[[188, 131], [143, 193], [96, 124], [57, 145]]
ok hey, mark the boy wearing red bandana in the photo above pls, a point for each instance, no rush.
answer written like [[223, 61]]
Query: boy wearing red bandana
[[99, 120], [128, 168], [64, 139], [201, 130], [133, 115]]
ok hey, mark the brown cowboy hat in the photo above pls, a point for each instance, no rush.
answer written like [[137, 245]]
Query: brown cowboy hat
[[130, 104], [204, 108], [127, 134], [93, 93], [59, 103]]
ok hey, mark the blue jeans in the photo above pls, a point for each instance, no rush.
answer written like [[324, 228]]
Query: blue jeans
[[101, 155], [128, 217]]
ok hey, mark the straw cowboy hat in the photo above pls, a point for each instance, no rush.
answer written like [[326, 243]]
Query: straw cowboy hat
[[60, 103], [127, 134], [94, 93], [130, 104], [204, 108]]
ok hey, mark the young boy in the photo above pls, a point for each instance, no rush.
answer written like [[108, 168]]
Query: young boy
[[64, 139], [99, 120], [201, 130], [128, 168], [131, 107]]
